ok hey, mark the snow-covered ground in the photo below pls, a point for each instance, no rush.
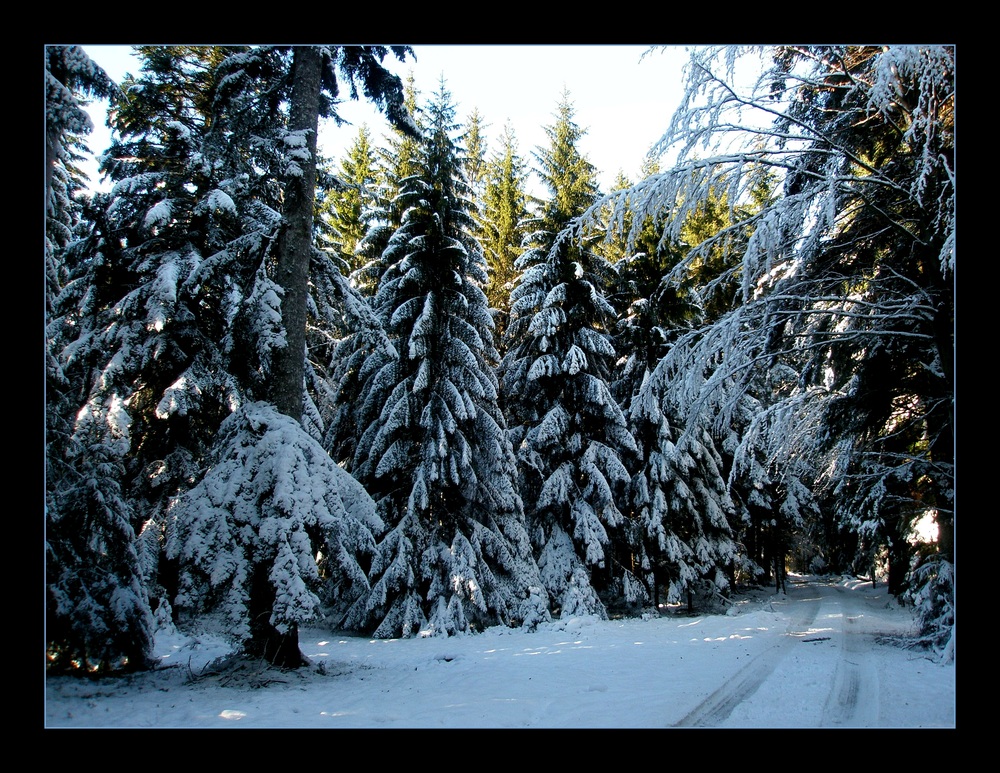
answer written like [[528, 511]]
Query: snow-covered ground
[[830, 653]]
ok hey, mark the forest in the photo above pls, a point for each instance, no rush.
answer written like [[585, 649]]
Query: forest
[[397, 394]]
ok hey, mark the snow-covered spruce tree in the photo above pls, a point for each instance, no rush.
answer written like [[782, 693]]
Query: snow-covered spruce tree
[[395, 162], [174, 305], [359, 357], [293, 283], [932, 593], [679, 492], [154, 286], [70, 77], [456, 556], [847, 277], [682, 503], [97, 608], [567, 430], [274, 533], [98, 614]]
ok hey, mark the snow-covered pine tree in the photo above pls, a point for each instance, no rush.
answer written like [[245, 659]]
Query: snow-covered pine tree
[[156, 283], [568, 432], [682, 505], [70, 77], [361, 383], [679, 491], [248, 534], [456, 556], [97, 608], [294, 285], [846, 277], [176, 312], [395, 162]]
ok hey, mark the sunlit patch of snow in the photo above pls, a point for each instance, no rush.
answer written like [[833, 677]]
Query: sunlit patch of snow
[[810, 632]]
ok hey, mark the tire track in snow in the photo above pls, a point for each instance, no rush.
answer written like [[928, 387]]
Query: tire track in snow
[[854, 696], [720, 704]]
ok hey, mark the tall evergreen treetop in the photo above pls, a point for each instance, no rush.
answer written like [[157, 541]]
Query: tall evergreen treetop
[[345, 207], [503, 222], [395, 162], [70, 77], [569, 176]]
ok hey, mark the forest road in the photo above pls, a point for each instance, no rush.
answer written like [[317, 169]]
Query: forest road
[[842, 692]]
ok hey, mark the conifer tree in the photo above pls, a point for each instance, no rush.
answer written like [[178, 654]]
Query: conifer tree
[[679, 492], [846, 278], [396, 161], [475, 164], [97, 608], [682, 502], [456, 556], [162, 299], [298, 282], [155, 285], [176, 306], [503, 224], [361, 386], [567, 430], [70, 77], [346, 206], [248, 534]]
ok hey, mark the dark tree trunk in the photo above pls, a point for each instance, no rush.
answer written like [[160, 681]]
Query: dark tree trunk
[[292, 274], [266, 641], [295, 241], [899, 563]]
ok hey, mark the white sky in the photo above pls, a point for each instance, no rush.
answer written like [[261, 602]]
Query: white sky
[[622, 103], [822, 656]]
